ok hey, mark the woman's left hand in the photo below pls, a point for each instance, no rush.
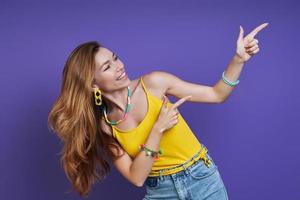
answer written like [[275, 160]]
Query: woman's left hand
[[248, 46]]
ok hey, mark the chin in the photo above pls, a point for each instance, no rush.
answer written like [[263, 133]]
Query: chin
[[125, 82]]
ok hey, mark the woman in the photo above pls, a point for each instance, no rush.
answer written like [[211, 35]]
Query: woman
[[101, 115]]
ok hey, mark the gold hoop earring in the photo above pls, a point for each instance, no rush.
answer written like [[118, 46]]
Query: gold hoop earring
[[97, 95]]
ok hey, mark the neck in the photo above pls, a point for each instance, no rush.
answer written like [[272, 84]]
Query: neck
[[116, 101]]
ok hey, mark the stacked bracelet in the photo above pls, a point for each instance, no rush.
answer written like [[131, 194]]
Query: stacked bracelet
[[228, 82], [150, 152]]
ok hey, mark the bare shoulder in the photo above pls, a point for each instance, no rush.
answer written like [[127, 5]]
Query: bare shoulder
[[155, 81]]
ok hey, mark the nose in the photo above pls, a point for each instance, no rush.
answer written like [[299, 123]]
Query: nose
[[119, 67]]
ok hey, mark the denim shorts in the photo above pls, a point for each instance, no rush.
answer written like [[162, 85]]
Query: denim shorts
[[196, 182]]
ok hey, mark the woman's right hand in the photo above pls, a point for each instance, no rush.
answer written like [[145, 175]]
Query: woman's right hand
[[168, 117]]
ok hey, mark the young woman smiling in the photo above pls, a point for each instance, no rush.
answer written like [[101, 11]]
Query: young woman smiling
[[102, 115]]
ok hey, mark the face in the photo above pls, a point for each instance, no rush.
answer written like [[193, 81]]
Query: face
[[108, 69]]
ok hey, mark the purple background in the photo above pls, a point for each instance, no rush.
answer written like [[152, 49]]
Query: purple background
[[253, 136]]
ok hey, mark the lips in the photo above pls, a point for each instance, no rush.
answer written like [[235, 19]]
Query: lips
[[123, 73]]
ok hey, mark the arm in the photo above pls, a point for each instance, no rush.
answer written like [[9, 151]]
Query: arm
[[246, 48], [172, 85], [142, 164], [232, 73], [136, 171]]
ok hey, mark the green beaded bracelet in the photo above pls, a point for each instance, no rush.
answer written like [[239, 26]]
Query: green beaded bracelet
[[150, 152], [228, 82]]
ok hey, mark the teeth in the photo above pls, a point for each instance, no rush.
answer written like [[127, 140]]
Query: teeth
[[122, 75]]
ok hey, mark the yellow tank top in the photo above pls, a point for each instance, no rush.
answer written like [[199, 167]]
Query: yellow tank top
[[179, 144]]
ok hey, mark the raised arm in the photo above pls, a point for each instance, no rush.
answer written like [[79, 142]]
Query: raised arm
[[173, 85], [246, 48]]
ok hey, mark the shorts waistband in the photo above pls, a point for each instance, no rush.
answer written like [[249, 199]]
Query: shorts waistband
[[201, 154]]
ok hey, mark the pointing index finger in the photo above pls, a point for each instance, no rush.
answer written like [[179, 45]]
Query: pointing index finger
[[256, 30], [180, 101]]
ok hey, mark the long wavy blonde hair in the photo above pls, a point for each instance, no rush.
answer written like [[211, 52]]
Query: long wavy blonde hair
[[77, 121]]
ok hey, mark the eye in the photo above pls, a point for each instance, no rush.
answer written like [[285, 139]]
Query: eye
[[108, 66]]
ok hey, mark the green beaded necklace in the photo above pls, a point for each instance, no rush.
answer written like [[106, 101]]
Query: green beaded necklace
[[128, 106]]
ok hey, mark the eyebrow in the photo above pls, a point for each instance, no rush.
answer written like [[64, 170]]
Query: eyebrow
[[113, 55]]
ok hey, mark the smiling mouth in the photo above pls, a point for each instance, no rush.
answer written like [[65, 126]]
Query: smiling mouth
[[121, 76]]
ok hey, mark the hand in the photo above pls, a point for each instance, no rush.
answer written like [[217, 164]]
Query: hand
[[247, 46], [168, 117]]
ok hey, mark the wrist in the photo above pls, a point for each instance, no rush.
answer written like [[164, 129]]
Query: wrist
[[157, 128], [238, 59]]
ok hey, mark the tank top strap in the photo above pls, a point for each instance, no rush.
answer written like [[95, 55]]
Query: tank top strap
[[143, 85]]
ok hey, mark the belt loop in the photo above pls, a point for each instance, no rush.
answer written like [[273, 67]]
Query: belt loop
[[160, 175], [185, 169], [207, 161]]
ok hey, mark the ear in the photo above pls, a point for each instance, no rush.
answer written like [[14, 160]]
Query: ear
[[94, 87]]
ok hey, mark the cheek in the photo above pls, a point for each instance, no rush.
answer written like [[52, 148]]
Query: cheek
[[106, 78]]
